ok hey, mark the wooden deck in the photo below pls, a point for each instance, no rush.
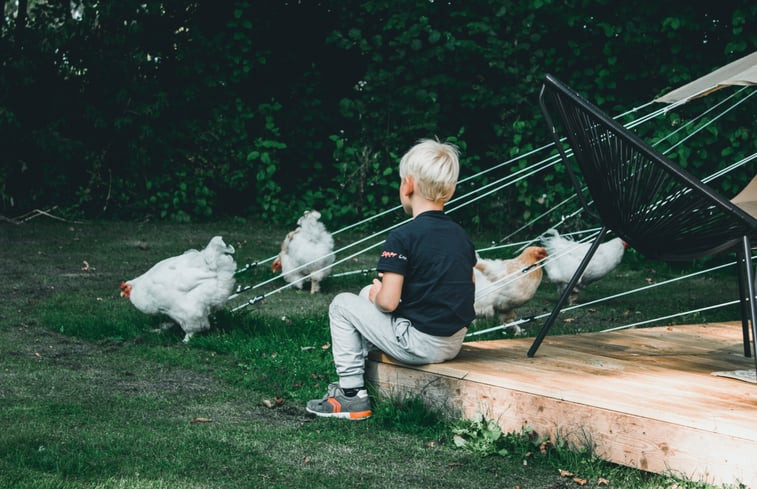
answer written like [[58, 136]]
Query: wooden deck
[[645, 398]]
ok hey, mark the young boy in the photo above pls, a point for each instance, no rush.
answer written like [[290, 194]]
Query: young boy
[[419, 311]]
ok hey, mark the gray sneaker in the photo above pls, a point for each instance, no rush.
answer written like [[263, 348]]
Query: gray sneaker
[[336, 405]]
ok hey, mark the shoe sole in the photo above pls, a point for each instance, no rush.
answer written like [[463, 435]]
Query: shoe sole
[[355, 416]]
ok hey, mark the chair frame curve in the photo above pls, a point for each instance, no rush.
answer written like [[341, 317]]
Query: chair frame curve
[[740, 228]]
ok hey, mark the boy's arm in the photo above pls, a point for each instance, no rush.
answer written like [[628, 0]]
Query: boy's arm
[[386, 293]]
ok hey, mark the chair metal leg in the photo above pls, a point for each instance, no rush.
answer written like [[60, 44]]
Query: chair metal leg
[[747, 252], [565, 293], [742, 266]]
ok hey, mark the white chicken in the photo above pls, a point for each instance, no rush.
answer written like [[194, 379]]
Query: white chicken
[[306, 253], [566, 254], [186, 287], [503, 285]]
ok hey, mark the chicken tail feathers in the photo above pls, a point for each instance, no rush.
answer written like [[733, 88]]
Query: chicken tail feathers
[[216, 254]]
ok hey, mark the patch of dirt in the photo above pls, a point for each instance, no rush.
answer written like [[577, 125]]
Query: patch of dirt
[[35, 359], [105, 364], [33, 341]]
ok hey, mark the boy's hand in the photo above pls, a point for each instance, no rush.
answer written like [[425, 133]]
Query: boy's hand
[[386, 293], [374, 290]]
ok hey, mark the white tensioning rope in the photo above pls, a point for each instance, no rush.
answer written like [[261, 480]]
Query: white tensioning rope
[[529, 171], [650, 116], [516, 276], [258, 298], [703, 126], [693, 311], [513, 277], [539, 217], [604, 299], [515, 177], [529, 241]]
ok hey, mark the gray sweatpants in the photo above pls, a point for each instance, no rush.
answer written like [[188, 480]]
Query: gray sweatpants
[[357, 326]]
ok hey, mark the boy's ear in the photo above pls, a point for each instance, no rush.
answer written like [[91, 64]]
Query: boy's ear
[[409, 185]]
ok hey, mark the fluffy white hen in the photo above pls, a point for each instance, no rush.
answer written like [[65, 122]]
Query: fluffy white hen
[[566, 254], [306, 253], [187, 287], [503, 285]]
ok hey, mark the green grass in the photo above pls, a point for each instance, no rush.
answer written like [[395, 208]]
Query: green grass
[[90, 397]]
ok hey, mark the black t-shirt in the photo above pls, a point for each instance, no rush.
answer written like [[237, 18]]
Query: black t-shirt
[[436, 258]]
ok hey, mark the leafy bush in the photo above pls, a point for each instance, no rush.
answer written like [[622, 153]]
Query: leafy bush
[[198, 110]]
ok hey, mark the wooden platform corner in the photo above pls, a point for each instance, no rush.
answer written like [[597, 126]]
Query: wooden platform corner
[[644, 398]]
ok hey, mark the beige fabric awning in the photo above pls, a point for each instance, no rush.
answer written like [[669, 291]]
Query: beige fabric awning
[[743, 71], [747, 198]]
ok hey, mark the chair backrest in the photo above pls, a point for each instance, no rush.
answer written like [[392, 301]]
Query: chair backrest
[[656, 206]]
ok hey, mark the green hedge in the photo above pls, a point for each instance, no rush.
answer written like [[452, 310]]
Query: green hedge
[[197, 110]]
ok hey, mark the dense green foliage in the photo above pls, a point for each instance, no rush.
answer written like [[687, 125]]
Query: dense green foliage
[[199, 109]]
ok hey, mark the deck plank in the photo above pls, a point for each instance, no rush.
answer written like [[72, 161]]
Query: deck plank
[[640, 397]]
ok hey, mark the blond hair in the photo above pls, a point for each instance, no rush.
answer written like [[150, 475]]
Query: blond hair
[[434, 167]]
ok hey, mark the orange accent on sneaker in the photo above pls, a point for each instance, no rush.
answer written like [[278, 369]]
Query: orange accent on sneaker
[[337, 408], [361, 414]]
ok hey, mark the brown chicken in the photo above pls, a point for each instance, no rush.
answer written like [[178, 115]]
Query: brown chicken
[[503, 285]]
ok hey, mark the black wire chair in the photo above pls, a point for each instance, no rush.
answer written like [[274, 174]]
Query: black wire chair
[[658, 208]]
